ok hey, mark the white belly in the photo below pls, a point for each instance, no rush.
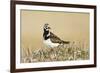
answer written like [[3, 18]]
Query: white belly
[[49, 44]]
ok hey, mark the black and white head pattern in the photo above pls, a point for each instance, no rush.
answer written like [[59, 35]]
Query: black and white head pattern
[[46, 33]]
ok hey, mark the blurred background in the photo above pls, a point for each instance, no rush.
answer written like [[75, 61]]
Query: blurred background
[[69, 26]]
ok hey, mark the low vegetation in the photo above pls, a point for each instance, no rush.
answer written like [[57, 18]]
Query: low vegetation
[[61, 53]]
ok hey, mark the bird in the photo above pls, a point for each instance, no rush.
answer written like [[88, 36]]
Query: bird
[[50, 39]]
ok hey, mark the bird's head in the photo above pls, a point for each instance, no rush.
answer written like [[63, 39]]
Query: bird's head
[[46, 27]]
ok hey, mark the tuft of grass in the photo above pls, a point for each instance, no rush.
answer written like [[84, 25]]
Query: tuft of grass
[[61, 53]]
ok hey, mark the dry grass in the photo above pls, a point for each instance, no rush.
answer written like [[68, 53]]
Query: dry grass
[[61, 53]]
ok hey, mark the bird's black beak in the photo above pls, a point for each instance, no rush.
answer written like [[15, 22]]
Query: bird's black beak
[[49, 28]]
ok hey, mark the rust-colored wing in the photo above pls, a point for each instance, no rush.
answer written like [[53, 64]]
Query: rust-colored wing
[[54, 38]]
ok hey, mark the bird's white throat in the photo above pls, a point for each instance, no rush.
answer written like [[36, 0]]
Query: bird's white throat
[[49, 44]]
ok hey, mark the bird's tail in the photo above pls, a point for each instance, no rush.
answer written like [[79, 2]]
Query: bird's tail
[[66, 42]]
